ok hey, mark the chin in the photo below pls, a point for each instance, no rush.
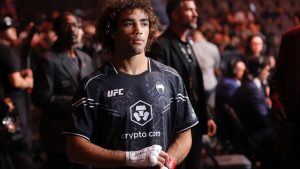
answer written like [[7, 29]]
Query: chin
[[193, 25], [138, 50]]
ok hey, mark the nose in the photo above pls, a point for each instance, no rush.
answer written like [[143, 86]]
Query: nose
[[75, 28], [195, 13], [138, 28]]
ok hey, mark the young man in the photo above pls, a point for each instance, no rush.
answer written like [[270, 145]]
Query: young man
[[173, 49], [133, 111]]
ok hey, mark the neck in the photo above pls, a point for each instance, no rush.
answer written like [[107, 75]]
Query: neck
[[182, 33], [133, 65], [70, 52]]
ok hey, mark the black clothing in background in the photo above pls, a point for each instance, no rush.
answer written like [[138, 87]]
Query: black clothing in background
[[170, 50], [56, 80], [10, 62]]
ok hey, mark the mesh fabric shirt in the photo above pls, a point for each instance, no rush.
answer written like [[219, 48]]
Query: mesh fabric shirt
[[125, 112]]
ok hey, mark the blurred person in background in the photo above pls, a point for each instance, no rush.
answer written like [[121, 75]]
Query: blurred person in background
[[17, 83], [252, 105], [255, 47], [285, 96], [57, 77], [174, 49], [227, 85], [208, 57]]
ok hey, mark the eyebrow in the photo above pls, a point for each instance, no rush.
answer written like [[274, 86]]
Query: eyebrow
[[132, 20]]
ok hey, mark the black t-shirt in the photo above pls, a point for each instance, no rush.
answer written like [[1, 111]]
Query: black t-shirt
[[9, 63], [118, 111]]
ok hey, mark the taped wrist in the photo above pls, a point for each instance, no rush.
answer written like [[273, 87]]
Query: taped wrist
[[145, 157], [170, 164]]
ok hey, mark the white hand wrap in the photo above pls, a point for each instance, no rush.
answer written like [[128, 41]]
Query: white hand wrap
[[145, 157]]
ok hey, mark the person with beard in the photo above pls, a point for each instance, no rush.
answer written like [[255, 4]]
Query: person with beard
[[173, 48], [133, 112], [57, 78]]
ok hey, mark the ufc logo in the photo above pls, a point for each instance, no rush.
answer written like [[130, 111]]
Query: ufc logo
[[115, 92]]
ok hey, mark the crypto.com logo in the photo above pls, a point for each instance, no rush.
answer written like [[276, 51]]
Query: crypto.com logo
[[141, 113]]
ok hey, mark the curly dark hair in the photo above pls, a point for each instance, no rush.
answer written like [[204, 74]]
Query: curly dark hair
[[107, 23]]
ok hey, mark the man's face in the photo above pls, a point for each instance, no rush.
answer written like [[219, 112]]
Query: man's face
[[187, 14], [132, 32], [71, 30]]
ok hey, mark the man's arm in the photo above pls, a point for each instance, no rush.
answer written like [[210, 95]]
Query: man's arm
[[80, 150], [180, 147], [22, 82]]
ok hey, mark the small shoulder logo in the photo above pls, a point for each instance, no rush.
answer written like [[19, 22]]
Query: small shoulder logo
[[115, 92], [160, 88]]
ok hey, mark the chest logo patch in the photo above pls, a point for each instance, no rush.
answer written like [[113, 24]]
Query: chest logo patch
[[141, 113]]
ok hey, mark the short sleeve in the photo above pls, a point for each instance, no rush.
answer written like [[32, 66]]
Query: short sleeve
[[181, 104], [82, 116]]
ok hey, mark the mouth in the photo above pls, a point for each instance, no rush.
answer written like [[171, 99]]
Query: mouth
[[137, 41]]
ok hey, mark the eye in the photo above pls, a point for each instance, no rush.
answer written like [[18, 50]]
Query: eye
[[127, 24], [144, 24]]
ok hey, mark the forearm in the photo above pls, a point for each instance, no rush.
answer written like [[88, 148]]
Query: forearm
[[20, 82], [180, 147], [82, 151]]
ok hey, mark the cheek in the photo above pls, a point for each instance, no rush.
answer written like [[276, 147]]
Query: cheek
[[265, 74], [147, 33]]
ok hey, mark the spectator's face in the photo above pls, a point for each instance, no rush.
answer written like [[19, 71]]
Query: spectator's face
[[132, 32], [264, 74], [10, 34], [257, 45], [71, 30], [186, 15], [240, 70]]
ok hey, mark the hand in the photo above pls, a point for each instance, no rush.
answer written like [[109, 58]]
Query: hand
[[146, 157], [268, 102], [10, 104], [27, 73], [30, 83]]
